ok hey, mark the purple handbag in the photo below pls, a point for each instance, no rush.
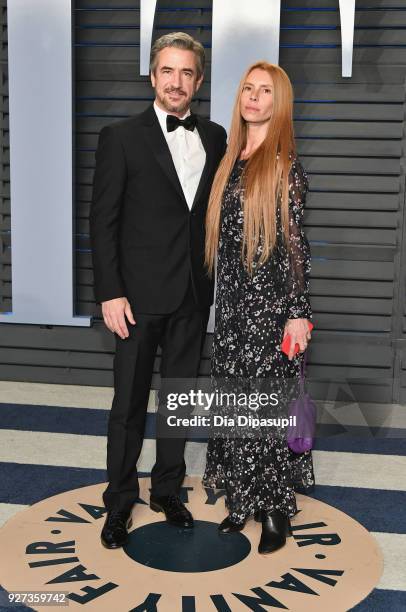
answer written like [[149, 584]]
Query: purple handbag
[[300, 437]]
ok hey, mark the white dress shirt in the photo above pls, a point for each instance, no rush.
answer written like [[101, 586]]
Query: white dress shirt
[[188, 154]]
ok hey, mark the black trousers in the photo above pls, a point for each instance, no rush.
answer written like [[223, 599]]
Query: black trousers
[[180, 335]]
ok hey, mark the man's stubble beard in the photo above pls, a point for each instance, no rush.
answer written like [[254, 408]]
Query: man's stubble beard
[[174, 108]]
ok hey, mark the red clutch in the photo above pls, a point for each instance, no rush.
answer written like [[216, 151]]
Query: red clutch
[[285, 345]]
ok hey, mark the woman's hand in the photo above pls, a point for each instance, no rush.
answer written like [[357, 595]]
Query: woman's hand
[[299, 332]]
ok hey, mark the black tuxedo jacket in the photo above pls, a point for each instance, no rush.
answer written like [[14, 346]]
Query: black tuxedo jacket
[[146, 243]]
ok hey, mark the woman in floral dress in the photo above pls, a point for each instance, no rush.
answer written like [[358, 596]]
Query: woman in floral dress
[[254, 229]]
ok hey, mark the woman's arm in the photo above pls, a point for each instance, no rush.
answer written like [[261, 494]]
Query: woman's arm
[[298, 307], [300, 257]]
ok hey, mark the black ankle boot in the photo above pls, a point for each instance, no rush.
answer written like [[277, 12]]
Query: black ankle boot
[[228, 526], [258, 519], [274, 528]]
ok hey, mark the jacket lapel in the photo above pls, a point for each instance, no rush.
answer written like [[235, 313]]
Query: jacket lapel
[[160, 149], [209, 161]]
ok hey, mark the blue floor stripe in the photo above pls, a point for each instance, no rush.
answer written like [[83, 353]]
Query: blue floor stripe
[[375, 509], [382, 600], [55, 419], [5, 606], [93, 421], [362, 440], [27, 484]]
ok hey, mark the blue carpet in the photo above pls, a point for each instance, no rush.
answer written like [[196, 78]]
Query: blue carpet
[[382, 600], [93, 422], [28, 484], [376, 509], [6, 607]]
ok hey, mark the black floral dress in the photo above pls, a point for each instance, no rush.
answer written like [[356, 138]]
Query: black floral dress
[[258, 471]]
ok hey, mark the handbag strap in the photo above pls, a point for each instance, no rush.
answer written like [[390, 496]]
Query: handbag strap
[[303, 372]]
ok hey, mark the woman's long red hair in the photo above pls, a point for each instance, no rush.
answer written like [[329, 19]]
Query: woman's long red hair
[[265, 176]]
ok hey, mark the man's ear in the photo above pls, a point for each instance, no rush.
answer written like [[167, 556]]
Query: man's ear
[[153, 80], [199, 82]]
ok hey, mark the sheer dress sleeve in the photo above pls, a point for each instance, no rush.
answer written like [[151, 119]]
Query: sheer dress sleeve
[[299, 248]]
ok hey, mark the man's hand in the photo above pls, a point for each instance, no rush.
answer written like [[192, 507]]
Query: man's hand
[[113, 315], [299, 333]]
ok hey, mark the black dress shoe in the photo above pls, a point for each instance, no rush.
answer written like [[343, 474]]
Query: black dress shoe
[[274, 529], [175, 511], [228, 526], [259, 514], [114, 533]]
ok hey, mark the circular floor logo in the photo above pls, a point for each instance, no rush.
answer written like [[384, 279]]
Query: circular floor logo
[[54, 546]]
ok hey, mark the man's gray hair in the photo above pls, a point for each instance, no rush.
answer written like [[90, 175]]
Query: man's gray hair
[[180, 40]]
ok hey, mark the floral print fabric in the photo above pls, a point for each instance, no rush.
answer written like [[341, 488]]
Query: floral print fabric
[[258, 472]]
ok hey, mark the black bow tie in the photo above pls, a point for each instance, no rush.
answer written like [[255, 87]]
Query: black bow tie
[[173, 122]]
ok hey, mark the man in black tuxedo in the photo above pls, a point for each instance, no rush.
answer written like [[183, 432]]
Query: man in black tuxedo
[[147, 225]]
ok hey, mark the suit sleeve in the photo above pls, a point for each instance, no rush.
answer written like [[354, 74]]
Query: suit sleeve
[[108, 189], [300, 259]]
